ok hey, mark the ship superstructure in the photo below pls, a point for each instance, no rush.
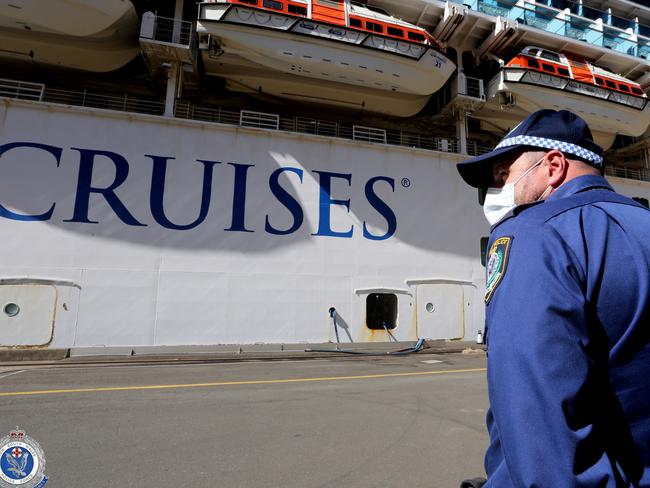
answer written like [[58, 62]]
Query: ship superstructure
[[229, 172]]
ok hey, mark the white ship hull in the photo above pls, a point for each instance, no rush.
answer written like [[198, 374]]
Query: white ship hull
[[128, 230], [91, 274]]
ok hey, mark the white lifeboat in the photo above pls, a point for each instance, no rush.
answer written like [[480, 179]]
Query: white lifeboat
[[333, 52], [538, 78], [94, 36]]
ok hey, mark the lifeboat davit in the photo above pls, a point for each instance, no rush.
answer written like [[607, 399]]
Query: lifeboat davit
[[539, 78], [333, 52], [93, 36]]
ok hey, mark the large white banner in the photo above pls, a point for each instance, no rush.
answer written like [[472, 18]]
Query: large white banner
[[162, 231]]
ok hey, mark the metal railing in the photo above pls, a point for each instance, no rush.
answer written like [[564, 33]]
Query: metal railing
[[641, 174], [241, 118], [368, 134], [186, 110], [21, 89], [327, 128], [260, 120], [474, 149], [122, 103], [165, 29]]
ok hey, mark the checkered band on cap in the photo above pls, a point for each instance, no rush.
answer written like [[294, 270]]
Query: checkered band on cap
[[542, 142]]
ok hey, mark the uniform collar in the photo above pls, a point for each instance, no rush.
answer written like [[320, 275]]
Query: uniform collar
[[580, 184], [576, 185]]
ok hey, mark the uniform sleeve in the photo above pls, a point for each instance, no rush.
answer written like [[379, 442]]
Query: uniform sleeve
[[548, 384]]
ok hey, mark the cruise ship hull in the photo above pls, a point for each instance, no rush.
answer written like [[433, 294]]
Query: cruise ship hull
[[127, 230], [124, 229]]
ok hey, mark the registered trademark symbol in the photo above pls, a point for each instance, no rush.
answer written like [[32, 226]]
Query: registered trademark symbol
[[406, 182]]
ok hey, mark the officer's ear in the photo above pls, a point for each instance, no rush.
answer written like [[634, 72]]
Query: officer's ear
[[556, 167]]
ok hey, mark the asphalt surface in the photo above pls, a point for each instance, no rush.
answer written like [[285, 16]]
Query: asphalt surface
[[415, 421]]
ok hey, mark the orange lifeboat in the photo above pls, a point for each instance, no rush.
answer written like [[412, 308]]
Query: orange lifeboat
[[539, 78], [325, 51]]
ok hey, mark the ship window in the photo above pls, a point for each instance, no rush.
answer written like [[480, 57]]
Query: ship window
[[395, 32], [610, 84], [533, 63], [642, 201], [600, 81], [374, 27], [636, 91], [548, 67], [295, 9], [355, 22], [551, 56], [623, 87], [381, 311], [563, 71], [416, 36], [272, 4]]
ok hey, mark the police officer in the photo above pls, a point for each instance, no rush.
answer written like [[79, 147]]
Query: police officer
[[567, 312]]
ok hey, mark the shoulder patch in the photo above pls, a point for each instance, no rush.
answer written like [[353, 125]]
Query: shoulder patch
[[496, 266]]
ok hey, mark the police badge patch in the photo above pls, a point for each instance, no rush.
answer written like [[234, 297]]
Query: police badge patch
[[22, 462], [496, 266]]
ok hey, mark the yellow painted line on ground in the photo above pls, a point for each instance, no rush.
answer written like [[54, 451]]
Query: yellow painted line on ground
[[235, 383]]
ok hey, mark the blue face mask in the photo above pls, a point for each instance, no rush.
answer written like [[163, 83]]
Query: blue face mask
[[500, 201]]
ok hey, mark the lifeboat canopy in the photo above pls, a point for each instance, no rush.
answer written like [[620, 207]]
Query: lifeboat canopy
[[539, 78], [333, 52]]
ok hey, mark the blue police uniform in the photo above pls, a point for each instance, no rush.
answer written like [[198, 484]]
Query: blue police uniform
[[568, 336]]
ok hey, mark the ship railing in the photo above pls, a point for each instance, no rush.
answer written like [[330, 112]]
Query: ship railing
[[243, 118], [165, 29], [306, 125], [219, 115], [259, 120], [475, 149], [422, 141], [122, 103], [21, 89], [641, 174], [576, 22], [368, 134], [534, 77]]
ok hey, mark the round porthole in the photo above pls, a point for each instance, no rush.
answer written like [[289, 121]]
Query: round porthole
[[11, 309], [430, 308]]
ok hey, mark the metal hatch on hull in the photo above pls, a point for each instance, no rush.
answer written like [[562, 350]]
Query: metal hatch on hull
[[322, 62], [92, 36], [539, 78]]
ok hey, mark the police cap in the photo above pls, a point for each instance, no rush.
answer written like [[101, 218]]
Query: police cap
[[545, 129]]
